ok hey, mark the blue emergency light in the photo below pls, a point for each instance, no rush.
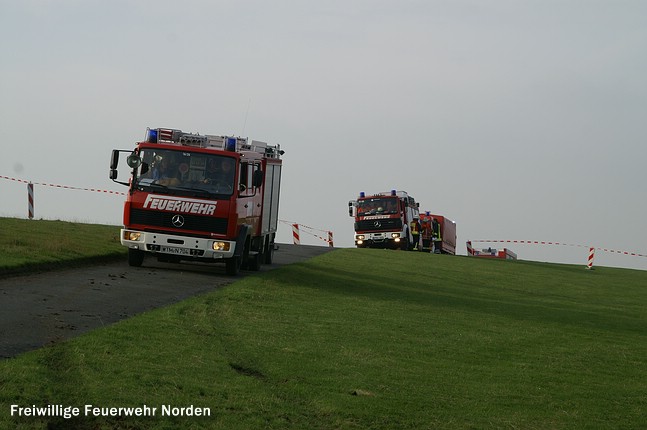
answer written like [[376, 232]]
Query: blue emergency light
[[362, 194], [230, 145], [393, 192], [151, 135]]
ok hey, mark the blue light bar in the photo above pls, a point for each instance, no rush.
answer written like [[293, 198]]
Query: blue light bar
[[151, 135], [230, 145]]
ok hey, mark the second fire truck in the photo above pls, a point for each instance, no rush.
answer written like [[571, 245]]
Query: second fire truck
[[383, 220]]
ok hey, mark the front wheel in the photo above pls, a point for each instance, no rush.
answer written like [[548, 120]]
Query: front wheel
[[135, 257], [232, 265]]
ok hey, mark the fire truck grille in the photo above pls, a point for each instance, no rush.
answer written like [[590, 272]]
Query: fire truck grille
[[191, 222], [379, 224]]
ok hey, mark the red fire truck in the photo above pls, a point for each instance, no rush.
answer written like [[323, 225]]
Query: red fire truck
[[443, 239], [202, 198], [383, 220]]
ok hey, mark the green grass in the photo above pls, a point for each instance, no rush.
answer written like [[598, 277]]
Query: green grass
[[365, 339], [39, 244]]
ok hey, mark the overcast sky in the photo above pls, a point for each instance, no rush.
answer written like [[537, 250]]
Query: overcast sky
[[518, 119]]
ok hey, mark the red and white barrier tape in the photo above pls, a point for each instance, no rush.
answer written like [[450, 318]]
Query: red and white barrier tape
[[303, 226], [96, 190], [296, 229], [30, 191], [538, 242]]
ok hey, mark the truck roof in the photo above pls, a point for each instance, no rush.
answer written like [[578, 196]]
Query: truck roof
[[226, 143]]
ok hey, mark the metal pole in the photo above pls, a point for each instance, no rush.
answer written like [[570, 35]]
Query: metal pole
[[30, 195], [295, 234], [591, 255]]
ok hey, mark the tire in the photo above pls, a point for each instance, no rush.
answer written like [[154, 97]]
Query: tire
[[135, 257], [232, 265], [268, 255], [254, 262]]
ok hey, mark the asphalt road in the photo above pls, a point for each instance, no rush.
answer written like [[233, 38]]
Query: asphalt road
[[45, 308]]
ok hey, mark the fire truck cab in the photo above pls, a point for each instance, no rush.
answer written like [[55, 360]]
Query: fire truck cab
[[201, 197]]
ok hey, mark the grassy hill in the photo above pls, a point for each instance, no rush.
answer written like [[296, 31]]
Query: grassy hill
[[364, 339], [42, 244]]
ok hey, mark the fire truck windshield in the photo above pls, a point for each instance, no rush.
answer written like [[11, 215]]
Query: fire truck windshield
[[377, 206], [185, 173]]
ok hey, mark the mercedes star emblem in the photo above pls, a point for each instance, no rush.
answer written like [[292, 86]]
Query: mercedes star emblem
[[377, 224], [177, 220]]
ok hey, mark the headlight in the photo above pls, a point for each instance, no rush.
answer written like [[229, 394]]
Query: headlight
[[132, 235], [359, 237], [221, 246], [360, 242], [395, 235]]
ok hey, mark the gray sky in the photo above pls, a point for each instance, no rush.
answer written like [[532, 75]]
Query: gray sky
[[518, 119]]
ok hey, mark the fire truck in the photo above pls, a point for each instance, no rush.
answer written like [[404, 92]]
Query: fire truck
[[383, 220], [442, 240], [199, 197]]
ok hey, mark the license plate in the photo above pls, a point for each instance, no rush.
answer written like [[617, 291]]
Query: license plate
[[175, 251]]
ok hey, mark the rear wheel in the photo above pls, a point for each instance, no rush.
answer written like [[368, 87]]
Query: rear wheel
[[135, 257], [254, 261], [269, 253]]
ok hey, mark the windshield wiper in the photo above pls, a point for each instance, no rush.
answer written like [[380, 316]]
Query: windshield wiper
[[152, 185], [196, 191], [172, 189]]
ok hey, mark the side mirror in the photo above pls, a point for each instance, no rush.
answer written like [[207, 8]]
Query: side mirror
[[350, 208], [257, 179], [114, 161]]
